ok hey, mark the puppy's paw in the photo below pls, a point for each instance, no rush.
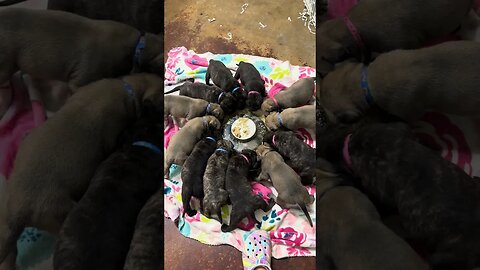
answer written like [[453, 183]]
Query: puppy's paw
[[226, 228]]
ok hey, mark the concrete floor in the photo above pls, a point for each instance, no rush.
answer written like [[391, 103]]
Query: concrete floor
[[186, 24]]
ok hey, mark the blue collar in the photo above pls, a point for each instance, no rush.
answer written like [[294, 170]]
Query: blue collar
[[131, 93], [148, 145], [221, 150], [139, 50], [209, 108], [365, 86], [236, 88], [220, 97], [212, 139], [280, 119]]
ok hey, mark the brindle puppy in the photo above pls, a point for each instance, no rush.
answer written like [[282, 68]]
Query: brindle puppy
[[244, 202], [98, 231], [253, 83], [221, 76], [438, 203], [214, 180], [209, 93], [192, 173], [301, 157], [146, 251]]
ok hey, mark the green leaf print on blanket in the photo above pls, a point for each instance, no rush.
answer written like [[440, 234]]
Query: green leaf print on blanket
[[278, 73]]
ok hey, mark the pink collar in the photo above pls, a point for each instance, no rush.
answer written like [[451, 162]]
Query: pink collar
[[253, 92], [246, 158], [346, 154], [273, 140], [354, 31]]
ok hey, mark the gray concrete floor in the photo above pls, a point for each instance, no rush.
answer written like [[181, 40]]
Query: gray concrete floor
[[186, 24]]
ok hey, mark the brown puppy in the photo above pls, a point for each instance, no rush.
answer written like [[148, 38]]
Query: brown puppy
[[221, 76], [146, 250], [285, 180], [56, 161], [189, 108], [292, 118], [407, 83], [383, 26], [353, 235], [182, 143], [298, 94], [214, 180], [56, 45]]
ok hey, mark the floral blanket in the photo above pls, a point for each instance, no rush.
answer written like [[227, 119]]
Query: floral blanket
[[288, 230]]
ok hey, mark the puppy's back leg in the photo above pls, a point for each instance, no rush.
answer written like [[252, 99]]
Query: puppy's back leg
[[186, 197]]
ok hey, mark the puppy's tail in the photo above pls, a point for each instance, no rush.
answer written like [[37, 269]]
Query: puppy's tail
[[178, 88], [10, 2], [305, 211]]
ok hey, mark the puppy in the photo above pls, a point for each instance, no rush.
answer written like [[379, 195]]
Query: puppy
[[352, 231], [292, 118], [97, 232], [438, 79], [146, 250], [437, 202], [183, 142], [192, 173], [253, 83], [65, 47], [214, 180], [244, 202], [298, 94], [300, 156], [189, 108], [144, 15], [48, 178], [221, 76], [395, 27], [285, 180], [209, 93]]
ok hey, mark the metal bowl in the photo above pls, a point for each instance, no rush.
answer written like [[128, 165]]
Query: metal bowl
[[245, 131]]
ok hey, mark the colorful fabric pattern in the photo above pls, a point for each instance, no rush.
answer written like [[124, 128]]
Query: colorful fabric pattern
[[288, 230]]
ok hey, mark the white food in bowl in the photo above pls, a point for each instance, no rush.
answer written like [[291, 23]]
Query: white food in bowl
[[243, 128]]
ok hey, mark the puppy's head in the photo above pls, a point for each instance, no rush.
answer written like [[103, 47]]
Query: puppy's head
[[212, 124], [241, 96], [254, 100], [271, 121], [226, 144], [216, 110], [228, 103], [269, 106], [262, 150], [152, 59], [252, 158], [334, 45], [267, 138], [340, 98]]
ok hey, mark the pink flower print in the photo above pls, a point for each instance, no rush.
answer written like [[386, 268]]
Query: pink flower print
[[195, 62], [447, 138], [173, 53], [261, 190], [300, 251], [288, 236], [306, 72]]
